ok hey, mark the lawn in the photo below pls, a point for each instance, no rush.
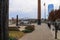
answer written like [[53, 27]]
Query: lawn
[[15, 34]]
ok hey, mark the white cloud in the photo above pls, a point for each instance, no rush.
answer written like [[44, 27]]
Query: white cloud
[[23, 5], [47, 2], [28, 6]]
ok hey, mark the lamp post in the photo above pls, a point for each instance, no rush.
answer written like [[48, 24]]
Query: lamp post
[[39, 12], [44, 11], [17, 20]]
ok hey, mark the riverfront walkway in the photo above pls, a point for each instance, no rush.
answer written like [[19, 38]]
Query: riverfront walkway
[[41, 32]]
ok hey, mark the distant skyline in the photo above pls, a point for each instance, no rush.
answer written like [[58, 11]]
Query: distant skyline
[[28, 8]]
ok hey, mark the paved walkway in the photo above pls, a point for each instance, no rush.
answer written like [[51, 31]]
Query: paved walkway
[[42, 32], [53, 32]]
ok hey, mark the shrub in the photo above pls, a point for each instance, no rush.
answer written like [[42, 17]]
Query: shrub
[[29, 29], [11, 38]]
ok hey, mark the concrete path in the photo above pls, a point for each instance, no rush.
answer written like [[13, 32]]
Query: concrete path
[[41, 32], [53, 32]]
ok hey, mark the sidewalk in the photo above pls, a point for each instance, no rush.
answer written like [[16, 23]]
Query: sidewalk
[[41, 32], [53, 32]]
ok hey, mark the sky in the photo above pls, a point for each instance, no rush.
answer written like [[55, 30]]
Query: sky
[[29, 8]]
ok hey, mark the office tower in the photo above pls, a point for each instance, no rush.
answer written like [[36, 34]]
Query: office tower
[[50, 8]]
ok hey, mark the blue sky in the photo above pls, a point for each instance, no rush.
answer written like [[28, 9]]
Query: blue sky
[[28, 8]]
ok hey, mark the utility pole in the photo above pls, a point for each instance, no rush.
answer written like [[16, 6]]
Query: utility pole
[[39, 12]]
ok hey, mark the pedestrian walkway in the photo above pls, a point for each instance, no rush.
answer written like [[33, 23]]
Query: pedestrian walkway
[[41, 32], [53, 32]]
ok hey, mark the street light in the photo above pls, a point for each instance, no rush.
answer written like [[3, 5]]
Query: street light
[[17, 20], [45, 11]]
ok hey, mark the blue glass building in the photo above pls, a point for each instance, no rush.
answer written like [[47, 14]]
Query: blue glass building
[[50, 7]]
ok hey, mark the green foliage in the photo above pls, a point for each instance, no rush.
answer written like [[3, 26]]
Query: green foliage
[[11, 38], [29, 29]]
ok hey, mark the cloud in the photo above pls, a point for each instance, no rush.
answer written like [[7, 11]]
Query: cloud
[[56, 4], [29, 7], [23, 15], [24, 8], [23, 5]]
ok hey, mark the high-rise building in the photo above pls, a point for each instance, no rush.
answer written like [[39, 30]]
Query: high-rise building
[[50, 7]]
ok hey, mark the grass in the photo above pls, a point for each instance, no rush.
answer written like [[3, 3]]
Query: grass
[[16, 34]]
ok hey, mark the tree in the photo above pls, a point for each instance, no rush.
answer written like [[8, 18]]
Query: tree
[[53, 15], [58, 14]]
